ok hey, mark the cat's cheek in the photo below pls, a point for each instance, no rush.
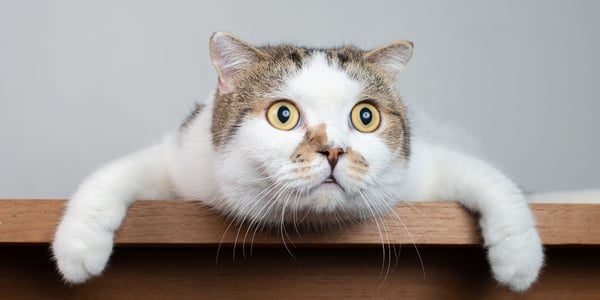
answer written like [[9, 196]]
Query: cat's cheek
[[267, 147], [352, 171], [346, 179]]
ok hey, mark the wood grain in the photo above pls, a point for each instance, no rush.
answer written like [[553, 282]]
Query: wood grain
[[315, 273], [172, 222]]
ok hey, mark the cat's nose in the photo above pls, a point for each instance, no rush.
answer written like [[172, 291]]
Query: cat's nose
[[332, 155]]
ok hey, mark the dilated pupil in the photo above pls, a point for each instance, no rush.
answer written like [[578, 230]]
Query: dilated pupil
[[283, 114], [365, 116]]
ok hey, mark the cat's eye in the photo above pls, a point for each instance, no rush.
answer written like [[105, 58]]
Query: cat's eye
[[365, 117], [283, 115]]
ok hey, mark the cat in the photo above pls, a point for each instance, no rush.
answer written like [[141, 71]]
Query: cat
[[293, 131]]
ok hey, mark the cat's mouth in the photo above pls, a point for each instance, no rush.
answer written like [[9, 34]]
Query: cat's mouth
[[332, 182], [330, 179], [328, 185]]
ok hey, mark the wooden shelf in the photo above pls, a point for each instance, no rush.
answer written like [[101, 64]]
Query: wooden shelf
[[175, 222], [344, 264]]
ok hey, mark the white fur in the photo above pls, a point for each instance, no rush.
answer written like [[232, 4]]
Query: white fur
[[84, 238], [507, 225], [253, 179]]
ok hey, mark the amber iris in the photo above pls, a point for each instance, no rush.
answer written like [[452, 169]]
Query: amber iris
[[283, 115], [365, 117]]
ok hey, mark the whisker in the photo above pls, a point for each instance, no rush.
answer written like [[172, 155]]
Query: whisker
[[372, 213], [284, 233], [412, 240], [296, 206], [271, 204], [256, 180], [221, 241], [241, 219], [276, 185], [410, 236]]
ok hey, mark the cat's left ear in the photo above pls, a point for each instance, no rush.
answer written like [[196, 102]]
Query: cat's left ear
[[392, 58], [230, 55]]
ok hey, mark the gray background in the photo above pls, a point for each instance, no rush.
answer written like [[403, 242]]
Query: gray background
[[83, 82]]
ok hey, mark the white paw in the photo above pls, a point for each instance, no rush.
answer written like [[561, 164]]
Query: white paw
[[516, 260], [80, 251]]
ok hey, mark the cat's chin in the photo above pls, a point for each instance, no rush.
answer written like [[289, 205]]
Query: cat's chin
[[325, 205], [326, 197], [329, 188]]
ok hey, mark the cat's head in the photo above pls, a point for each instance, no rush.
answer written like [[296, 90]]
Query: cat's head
[[310, 136]]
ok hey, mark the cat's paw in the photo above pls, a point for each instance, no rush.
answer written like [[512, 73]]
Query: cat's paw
[[517, 259], [80, 251]]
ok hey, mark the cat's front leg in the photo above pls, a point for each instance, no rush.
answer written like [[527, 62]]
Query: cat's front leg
[[84, 238], [507, 224]]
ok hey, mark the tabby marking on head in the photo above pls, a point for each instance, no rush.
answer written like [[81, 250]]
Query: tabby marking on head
[[324, 162]]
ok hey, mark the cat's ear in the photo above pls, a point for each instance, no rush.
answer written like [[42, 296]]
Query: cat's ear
[[392, 58], [230, 55]]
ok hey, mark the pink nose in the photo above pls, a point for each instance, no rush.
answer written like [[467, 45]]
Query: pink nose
[[332, 155]]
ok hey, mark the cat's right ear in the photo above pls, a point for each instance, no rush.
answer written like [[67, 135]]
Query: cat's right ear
[[230, 55]]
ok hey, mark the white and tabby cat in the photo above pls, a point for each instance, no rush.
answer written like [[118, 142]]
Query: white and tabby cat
[[292, 131]]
